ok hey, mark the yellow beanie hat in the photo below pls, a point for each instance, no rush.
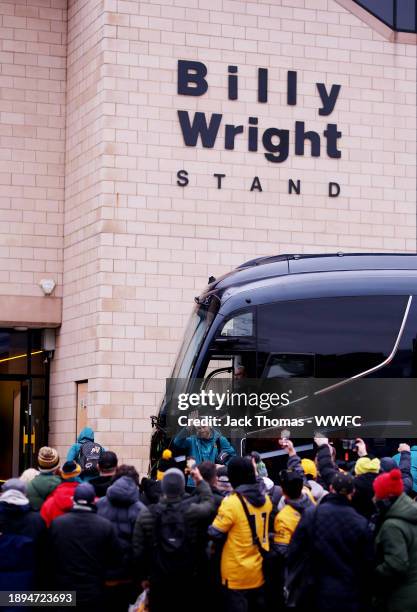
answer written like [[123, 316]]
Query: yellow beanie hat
[[365, 465], [309, 468]]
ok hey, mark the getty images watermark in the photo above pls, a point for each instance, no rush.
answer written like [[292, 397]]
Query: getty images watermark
[[263, 401], [261, 420], [378, 407]]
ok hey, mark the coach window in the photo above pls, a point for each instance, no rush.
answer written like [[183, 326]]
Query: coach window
[[329, 337], [232, 354], [239, 325]]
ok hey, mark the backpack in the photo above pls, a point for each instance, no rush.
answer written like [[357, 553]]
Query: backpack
[[172, 550], [90, 453]]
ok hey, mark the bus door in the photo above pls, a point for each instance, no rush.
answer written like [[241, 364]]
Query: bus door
[[231, 363]]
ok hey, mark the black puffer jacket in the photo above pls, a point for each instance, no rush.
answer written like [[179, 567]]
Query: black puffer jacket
[[121, 506], [340, 543], [197, 509]]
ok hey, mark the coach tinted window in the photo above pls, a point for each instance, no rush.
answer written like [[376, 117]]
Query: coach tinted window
[[344, 335], [239, 325]]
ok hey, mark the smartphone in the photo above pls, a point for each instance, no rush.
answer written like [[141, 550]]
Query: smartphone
[[348, 444], [190, 464]]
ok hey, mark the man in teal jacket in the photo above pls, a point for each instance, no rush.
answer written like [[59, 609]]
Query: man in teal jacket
[[206, 444]]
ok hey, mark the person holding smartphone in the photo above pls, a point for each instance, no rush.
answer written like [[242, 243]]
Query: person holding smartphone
[[204, 444]]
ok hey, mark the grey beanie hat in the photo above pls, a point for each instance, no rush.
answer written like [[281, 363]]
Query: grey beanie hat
[[14, 484], [173, 483]]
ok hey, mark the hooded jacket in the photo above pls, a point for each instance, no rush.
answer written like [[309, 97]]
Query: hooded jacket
[[197, 511], [202, 449], [23, 533], [40, 487], [396, 552], [241, 560], [59, 502], [86, 434], [121, 506]]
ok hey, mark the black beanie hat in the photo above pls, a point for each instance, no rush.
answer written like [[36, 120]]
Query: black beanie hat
[[343, 484], [241, 471]]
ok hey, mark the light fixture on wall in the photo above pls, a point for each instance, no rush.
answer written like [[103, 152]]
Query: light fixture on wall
[[47, 285]]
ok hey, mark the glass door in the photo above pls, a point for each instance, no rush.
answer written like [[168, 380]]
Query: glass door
[[24, 384]]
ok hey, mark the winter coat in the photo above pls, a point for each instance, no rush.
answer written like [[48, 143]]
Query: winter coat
[[121, 506], [201, 449], [60, 501], [22, 538], [101, 484], [86, 434], [218, 498], [396, 553], [407, 462], [364, 493], [326, 466], [40, 487], [84, 546], [340, 546], [198, 511]]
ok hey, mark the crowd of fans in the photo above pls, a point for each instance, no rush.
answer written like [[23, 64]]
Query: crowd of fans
[[214, 536]]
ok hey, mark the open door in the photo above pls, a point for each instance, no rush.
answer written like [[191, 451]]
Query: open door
[[10, 408], [82, 412]]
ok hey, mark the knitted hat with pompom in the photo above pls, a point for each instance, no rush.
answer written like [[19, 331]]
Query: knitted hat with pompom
[[389, 484]]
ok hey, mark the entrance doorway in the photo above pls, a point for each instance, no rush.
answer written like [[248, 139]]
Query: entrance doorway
[[24, 384]]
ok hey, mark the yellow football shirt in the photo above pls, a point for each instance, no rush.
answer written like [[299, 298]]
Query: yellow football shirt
[[241, 562], [285, 524], [286, 521]]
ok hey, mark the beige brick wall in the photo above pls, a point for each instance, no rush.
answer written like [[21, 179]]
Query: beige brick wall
[[32, 124], [78, 343], [138, 247]]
